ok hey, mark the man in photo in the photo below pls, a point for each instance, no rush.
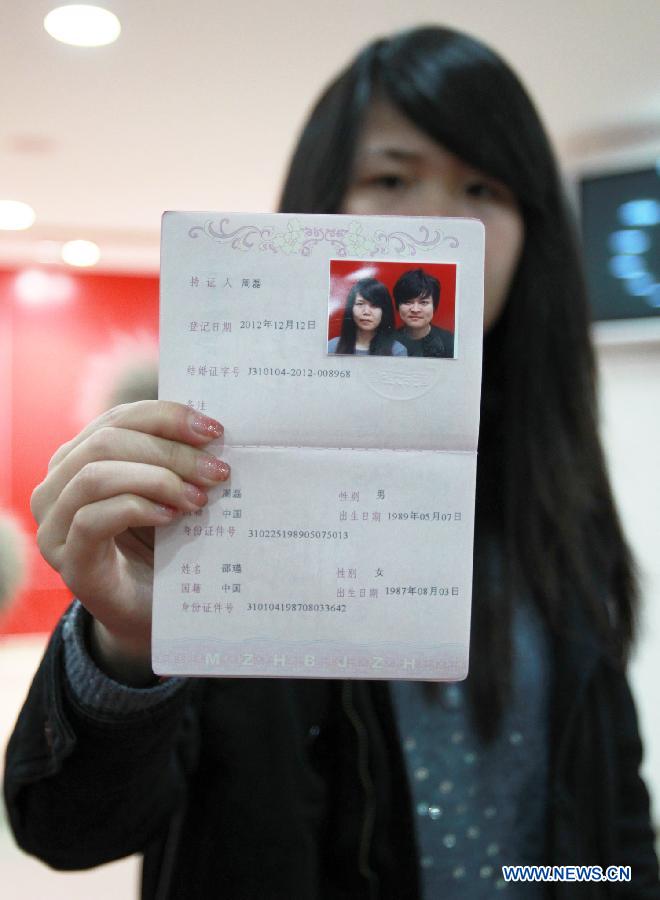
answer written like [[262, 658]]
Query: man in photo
[[417, 295]]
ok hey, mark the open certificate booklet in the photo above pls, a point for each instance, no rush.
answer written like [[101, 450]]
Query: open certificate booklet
[[341, 546]]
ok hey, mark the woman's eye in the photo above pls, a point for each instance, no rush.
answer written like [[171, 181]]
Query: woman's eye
[[388, 182], [486, 189], [480, 190]]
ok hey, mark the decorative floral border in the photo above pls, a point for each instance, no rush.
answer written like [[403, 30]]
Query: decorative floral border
[[298, 239]]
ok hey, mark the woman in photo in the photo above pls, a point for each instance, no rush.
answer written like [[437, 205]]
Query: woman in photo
[[310, 789], [367, 328]]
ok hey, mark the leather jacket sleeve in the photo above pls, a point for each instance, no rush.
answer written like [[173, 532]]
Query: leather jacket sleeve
[[600, 813], [85, 788], [635, 833]]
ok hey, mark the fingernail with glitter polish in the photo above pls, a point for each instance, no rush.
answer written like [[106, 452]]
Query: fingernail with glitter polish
[[205, 426], [166, 512], [212, 468], [195, 495]]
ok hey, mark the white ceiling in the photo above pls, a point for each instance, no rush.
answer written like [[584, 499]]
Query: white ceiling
[[198, 104]]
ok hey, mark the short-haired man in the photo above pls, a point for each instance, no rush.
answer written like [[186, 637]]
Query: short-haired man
[[417, 295]]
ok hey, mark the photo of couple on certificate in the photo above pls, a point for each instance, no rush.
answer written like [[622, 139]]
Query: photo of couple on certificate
[[390, 309]]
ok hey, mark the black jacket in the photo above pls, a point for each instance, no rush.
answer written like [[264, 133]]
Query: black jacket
[[296, 790], [437, 343]]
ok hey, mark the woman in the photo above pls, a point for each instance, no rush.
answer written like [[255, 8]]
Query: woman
[[367, 328], [310, 789]]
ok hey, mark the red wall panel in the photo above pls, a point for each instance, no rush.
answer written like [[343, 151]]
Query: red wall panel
[[59, 331]]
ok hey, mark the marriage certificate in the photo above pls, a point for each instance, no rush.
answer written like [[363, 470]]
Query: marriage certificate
[[343, 356]]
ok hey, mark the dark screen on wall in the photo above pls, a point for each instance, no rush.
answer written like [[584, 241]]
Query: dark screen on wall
[[620, 216]]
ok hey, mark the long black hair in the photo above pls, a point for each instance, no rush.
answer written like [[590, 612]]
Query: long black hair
[[376, 293], [543, 497]]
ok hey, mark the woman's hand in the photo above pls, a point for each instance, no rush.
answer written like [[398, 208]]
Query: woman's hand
[[135, 467]]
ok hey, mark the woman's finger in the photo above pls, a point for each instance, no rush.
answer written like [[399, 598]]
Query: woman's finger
[[105, 479], [162, 418], [122, 445], [89, 561]]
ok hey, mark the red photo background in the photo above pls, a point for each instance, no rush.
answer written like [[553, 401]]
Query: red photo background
[[344, 273], [53, 326]]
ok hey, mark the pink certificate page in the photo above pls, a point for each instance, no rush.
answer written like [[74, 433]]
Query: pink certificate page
[[343, 356]]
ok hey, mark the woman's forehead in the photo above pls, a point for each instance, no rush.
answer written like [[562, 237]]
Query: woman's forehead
[[388, 136], [386, 131]]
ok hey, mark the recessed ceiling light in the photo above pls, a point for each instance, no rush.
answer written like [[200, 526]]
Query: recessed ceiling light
[[34, 287], [82, 25], [81, 253], [15, 215]]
